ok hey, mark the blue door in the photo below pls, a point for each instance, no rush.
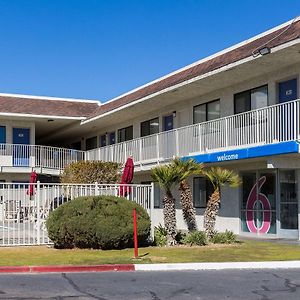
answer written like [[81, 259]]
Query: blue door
[[287, 90], [21, 152], [2, 134], [168, 123]]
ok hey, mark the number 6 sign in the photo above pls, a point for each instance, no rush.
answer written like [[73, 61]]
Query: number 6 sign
[[254, 196]]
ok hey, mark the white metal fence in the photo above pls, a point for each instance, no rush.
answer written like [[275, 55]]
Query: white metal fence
[[15, 155], [23, 217], [267, 125]]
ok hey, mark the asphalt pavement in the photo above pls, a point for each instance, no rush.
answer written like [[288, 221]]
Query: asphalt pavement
[[209, 284]]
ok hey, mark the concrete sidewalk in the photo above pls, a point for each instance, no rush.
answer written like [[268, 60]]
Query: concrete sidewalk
[[153, 267]]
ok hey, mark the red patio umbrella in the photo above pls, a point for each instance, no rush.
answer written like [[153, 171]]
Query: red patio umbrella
[[32, 181], [127, 177]]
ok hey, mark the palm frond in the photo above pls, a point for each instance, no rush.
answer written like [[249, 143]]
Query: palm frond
[[165, 176], [220, 176], [186, 168]]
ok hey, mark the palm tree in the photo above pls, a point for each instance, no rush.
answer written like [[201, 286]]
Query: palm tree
[[166, 177], [218, 177], [184, 169]]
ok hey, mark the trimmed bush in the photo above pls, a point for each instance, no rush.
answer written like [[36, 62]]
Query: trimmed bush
[[99, 222], [227, 237], [197, 238], [85, 172]]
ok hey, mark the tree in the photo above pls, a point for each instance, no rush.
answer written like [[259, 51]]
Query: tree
[[218, 177], [166, 177], [184, 169], [85, 172]]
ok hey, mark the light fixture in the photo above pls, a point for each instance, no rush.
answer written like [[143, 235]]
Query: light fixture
[[174, 114], [264, 51]]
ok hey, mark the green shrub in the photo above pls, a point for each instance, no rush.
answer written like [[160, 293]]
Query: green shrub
[[198, 238], [91, 172], [100, 222], [160, 236], [227, 237]]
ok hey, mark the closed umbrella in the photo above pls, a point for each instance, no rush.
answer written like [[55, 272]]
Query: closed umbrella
[[127, 177], [32, 181]]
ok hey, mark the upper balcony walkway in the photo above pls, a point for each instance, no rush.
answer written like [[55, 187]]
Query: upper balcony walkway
[[45, 159], [265, 126]]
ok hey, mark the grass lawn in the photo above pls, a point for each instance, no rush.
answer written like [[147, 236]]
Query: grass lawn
[[244, 251]]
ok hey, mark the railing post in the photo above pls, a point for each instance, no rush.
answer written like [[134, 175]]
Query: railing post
[[199, 134], [157, 147], [226, 132], [295, 120], [140, 151], [257, 128], [38, 217], [151, 213], [97, 192], [176, 143]]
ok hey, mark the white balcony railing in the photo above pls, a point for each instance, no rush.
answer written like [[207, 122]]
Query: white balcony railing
[[267, 125], [14, 155]]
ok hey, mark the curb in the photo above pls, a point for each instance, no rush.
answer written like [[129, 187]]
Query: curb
[[67, 269], [219, 266], [153, 267]]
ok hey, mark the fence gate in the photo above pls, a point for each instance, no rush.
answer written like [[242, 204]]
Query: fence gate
[[25, 208]]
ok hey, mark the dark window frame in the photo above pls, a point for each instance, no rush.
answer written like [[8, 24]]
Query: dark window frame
[[126, 138], [208, 187], [249, 91], [90, 138], [206, 110], [148, 123]]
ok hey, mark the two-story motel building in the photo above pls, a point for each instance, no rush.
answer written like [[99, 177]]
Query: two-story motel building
[[237, 109]]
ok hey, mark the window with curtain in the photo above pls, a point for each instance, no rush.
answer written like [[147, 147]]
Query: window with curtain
[[251, 99], [206, 112], [150, 127]]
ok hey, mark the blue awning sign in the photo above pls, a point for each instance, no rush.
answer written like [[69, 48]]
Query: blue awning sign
[[251, 152]]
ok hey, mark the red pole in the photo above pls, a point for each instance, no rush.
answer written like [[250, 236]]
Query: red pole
[[136, 250]]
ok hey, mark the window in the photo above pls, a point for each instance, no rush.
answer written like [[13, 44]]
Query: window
[[103, 140], [206, 112], [150, 127], [125, 134], [168, 122], [202, 189], [251, 99], [91, 143]]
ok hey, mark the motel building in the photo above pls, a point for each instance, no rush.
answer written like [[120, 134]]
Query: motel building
[[238, 109]]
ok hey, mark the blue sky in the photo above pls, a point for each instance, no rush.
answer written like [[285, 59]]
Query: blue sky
[[99, 49]]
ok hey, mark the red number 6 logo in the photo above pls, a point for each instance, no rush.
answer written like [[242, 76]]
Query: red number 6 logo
[[252, 198]]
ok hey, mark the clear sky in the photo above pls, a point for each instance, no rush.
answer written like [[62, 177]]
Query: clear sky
[[99, 49]]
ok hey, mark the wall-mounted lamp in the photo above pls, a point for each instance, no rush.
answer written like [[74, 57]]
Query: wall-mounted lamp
[[174, 114], [264, 51]]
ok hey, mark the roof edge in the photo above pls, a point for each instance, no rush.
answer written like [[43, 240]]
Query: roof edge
[[50, 98], [222, 69], [41, 116]]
